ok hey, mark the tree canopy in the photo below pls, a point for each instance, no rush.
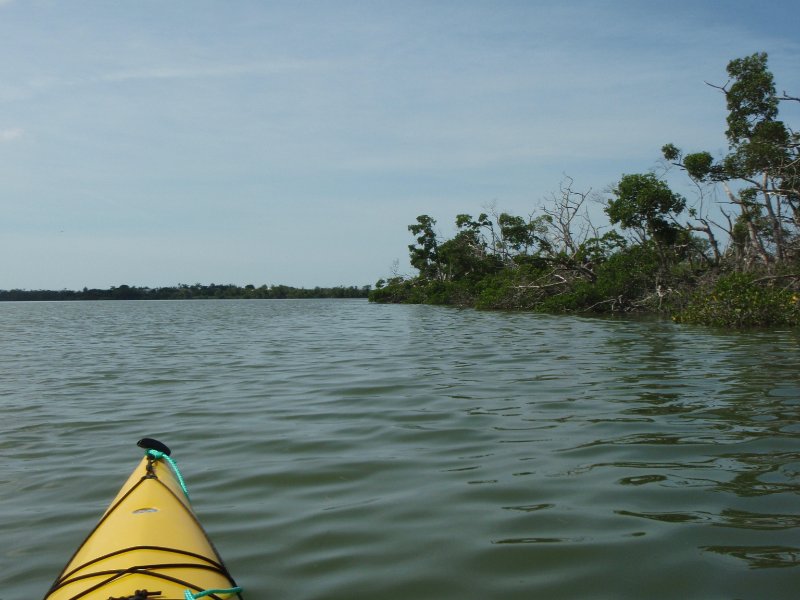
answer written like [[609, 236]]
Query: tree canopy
[[734, 263], [183, 291]]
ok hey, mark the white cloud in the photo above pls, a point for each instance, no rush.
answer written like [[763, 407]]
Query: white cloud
[[8, 135]]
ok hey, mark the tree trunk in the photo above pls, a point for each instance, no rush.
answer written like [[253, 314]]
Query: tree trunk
[[756, 244]]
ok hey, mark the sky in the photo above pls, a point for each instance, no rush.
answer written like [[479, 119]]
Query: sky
[[153, 143]]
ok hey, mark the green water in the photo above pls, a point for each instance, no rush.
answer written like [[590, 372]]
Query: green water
[[337, 449]]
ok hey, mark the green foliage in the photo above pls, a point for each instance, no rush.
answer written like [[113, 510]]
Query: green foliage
[[645, 203], [396, 290], [425, 253], [671, 152], [628, 274], [597, 250], [558, 262], [582, 297], [765, 151], [519, 236], [751, 97], [739, 300], [764, 160], [698, 165], [188, 292], [423, 291], [512, 289], [496, 291], [465, 255]]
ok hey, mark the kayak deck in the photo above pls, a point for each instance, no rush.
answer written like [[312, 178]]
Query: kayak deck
[[147, 545]]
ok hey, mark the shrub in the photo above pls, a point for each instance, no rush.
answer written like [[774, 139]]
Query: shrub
[[740, 300]]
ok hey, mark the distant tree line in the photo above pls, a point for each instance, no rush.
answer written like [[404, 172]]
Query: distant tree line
[[733, 264], [188, 292]]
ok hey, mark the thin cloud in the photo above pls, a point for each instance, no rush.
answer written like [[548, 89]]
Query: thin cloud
[[258, 120], [43, 84], [214, 70], [9, 135]]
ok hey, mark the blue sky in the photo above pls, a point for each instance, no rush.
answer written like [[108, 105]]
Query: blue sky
[[246, 141]]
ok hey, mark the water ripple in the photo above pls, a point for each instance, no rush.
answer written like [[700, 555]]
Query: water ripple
[[342, 449]]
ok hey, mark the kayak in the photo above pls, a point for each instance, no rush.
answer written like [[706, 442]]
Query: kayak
[[148, 545]]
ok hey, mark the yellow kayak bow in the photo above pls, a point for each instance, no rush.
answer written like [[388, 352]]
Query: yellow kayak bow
[[148, 544]]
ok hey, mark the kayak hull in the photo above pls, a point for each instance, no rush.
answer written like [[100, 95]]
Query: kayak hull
[[148, 541]]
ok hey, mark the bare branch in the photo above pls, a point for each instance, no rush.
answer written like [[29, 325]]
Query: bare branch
[[787, 97]]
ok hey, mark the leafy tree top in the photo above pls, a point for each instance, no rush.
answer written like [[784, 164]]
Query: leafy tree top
[[643, 202], [751, 97]]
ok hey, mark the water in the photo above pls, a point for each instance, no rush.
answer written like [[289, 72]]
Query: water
[[337, 449]]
